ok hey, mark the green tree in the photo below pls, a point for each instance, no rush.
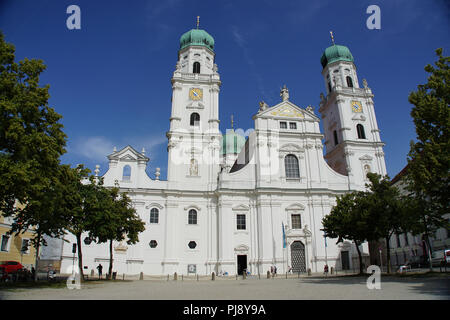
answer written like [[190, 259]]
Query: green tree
[[116, 222], [427, 176], [348, 220], [78, 204], [387, 212], [31, 143], [31, 136]]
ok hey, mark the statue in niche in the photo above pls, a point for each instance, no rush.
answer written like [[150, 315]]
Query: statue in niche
[[366, 170], [193, 170]]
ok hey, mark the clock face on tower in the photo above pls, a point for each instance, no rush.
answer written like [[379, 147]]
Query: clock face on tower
[[356, 106], [196, 94]]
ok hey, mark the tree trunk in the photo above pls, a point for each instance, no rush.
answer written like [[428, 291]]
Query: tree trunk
[[427, 242], [388, 255], [80, 257], [37, 256], [110, 259], [361, 269]]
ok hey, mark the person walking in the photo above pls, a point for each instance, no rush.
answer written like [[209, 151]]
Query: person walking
[[325, 270], [100, 268]]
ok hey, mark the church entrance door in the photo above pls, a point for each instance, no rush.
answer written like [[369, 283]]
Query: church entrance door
[[241, 263], [298, 257]]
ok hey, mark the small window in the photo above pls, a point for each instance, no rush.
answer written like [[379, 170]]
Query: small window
[[296, 222], [335, 137], [406, 239], [240, 222], [25, 246], [192, 217], [283, 125], [192, 244], [293, 125], [153, 243], [195, 119], [360, 131], [5, 240], [126, 173], [291, 167], [349, 82], [154, 215], [196, 67]]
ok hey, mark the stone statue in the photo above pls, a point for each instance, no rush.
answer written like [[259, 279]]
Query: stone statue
[[284, 93], [322, 97], [178, 66], [215, 68], [263, 106], [365, 83], [310, 109]]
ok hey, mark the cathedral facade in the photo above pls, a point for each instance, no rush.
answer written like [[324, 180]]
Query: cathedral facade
[[231, 204]]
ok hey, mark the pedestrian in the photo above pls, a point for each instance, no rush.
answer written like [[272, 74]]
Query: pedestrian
[[271, 270], [100, 268], [275, 270], [289, 269], [325, 270]]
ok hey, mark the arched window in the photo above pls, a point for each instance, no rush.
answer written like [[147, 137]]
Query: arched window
[[335, 137], [196, 68], [195, 119], [154, 215], [291, 167], [360, 130], [192, 217], [126, 174], [349, 82]]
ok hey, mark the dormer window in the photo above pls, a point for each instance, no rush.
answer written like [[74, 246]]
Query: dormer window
[[293, 125], [196, 67], [283, 125]]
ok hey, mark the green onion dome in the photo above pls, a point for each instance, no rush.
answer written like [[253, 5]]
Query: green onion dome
[[232, 142], [197, 37], [336, 53]]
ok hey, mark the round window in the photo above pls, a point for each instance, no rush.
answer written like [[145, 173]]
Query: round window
[[192, 244], [153, 244]]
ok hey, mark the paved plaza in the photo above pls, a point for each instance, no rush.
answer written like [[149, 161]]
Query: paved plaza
[[315, 287]]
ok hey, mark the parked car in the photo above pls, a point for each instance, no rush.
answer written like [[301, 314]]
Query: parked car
[[11, 266], [440, 258]]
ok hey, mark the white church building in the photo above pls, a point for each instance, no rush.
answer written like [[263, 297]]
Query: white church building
[[231, 203]]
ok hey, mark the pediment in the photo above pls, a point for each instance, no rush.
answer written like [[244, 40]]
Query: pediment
[[290, 147], [366, 157], [359, 117], [241, 248], [128, 154], [241, 207], [195, 105], [295, 206], [286, 110]]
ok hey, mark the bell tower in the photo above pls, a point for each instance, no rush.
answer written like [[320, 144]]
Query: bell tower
[[352, 138], [194, 136]]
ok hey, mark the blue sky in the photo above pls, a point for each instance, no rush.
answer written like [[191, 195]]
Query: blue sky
[[111, 80]]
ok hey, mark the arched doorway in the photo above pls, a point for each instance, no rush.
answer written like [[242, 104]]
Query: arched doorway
[[298, 257]]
